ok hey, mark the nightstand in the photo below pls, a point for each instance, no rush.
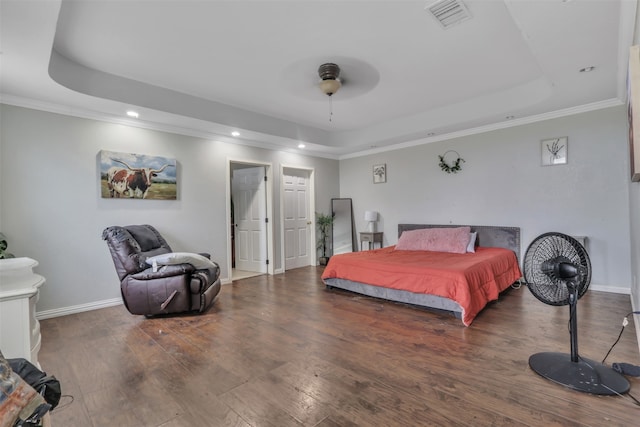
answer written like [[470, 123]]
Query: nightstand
[[371, 238]]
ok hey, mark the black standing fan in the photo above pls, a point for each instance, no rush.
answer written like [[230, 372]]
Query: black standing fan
[[557, 270]]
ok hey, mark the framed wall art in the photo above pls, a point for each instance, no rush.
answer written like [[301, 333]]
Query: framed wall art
[[379, 173], [137, 176], [554, 151]]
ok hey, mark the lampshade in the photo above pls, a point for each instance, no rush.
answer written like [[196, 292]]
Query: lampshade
[[370, 215]]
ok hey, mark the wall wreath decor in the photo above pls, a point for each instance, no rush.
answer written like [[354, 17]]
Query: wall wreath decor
[[453, 167]]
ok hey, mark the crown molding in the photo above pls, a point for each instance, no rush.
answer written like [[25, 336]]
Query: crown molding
[[163, 127], [614, 102], [50, 107]]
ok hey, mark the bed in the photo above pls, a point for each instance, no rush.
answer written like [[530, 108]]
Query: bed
[[461, 283]]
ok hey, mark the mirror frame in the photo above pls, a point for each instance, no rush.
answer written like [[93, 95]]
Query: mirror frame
[[341, 234]]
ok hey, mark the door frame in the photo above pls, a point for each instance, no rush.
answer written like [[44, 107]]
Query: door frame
[[269, 212], [312, 209]]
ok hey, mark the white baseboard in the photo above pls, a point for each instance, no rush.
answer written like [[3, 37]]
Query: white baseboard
[[57, 312], [612, 289]]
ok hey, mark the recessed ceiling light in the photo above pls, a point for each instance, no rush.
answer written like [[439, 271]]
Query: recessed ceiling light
[[133, 114], [301, 145], [235, 133], [587, 69]]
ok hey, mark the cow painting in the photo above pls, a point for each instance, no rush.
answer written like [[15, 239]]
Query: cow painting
[[133, 178]]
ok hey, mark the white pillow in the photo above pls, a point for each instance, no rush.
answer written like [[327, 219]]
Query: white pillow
[[197, 260], [471, 247]]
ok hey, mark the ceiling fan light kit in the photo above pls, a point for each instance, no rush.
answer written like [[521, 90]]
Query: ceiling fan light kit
[[330, 78], [329, 87], [329, 82], [557, 271]]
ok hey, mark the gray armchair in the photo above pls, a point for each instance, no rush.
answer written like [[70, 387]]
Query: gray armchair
[[148, 290]]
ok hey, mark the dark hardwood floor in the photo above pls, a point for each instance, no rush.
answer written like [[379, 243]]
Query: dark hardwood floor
[[284, 351]]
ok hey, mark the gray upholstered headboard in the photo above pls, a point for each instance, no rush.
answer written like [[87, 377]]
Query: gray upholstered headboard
[[488, 235]]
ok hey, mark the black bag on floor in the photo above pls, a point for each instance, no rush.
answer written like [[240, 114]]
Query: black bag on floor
[[47, 385]]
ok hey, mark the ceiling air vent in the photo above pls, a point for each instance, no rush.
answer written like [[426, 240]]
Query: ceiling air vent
[[449, 12]]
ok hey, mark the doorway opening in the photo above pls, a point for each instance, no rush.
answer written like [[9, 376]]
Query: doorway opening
[[249, 204]]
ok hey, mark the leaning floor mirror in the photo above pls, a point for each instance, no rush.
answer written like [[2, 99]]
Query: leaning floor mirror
[[342, 212]]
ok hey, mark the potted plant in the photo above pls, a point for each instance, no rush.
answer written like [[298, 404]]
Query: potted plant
[[3, 247], [324, 223]]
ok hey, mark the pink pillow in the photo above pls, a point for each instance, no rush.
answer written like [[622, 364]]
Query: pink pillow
[[454, 240]]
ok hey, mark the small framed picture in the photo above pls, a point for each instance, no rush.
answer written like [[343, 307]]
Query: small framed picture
[[379, 173], [554, 151]]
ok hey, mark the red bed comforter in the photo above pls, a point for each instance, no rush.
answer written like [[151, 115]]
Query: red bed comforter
[[470, 279]]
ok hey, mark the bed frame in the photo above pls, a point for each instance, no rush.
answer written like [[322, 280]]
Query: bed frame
[[488, 236]]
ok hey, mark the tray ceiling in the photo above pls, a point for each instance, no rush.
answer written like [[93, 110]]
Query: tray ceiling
[[207, 68]]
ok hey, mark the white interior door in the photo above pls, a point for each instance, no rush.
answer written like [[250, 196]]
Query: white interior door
[[297, 219], [248, 190]]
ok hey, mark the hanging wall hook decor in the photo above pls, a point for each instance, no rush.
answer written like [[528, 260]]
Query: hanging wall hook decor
[[453, 167]]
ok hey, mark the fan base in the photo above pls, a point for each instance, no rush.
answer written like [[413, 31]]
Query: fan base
[[585, 375]]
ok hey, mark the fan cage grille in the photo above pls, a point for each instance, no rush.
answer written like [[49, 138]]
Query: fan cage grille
[[550, 246]]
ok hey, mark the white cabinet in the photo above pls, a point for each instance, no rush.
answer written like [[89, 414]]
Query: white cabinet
[[19, 328]]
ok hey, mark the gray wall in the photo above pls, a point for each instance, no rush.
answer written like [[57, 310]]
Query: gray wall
[[634, 213], [503, 183], [51, 208], [634, 209]]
